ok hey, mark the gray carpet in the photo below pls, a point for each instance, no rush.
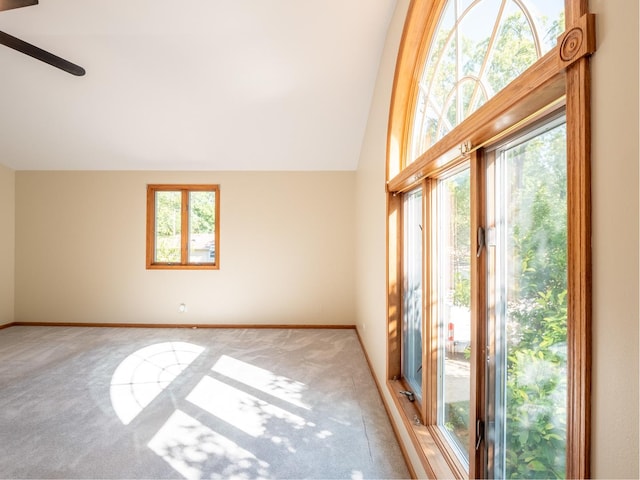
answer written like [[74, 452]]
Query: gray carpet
[[190, 403]]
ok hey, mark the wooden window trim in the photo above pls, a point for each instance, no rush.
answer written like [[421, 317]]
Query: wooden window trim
[[561, 77], [184, 218], [477, 405]]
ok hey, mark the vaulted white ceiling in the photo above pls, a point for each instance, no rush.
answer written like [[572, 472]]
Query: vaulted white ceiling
[[191, 84]]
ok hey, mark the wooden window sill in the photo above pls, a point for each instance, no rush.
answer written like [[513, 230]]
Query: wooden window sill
[[437, 461], [178, 266]]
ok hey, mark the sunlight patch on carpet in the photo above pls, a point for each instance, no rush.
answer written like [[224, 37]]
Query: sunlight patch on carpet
[[261, 379], [144, 374], [242, 410], [192, 449]]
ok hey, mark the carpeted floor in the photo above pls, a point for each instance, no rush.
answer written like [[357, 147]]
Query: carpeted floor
[[135, 403]]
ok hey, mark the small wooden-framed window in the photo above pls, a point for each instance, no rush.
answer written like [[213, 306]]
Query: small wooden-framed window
[[183, 226]]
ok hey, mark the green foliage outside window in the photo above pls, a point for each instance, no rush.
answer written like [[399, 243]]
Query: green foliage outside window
[[536, 382], [168, 226], [202, 210], [168, 220]]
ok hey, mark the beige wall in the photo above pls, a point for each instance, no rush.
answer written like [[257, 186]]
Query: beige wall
[[371, 222], [7, 244], [615, 234], [615, 240], [286, 250]]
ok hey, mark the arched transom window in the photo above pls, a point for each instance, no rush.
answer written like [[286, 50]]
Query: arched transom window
[[479, 47]]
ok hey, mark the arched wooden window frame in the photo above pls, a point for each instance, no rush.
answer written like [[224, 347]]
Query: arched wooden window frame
[[562, 76]]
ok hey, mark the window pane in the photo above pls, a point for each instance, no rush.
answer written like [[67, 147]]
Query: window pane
[[202, 208], [454, 309], [531, 309], [168, 226], [479, 47], [412, 294]]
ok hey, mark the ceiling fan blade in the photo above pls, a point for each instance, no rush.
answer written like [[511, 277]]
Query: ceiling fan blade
[[35, 52], [9, 4]]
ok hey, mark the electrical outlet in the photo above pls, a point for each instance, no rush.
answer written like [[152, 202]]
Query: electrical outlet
[[182, 308]]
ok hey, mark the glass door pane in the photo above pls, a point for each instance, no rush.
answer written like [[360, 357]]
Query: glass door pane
[[168, 226], [454, 309], [202, 208], [412, 292], [530, 307]]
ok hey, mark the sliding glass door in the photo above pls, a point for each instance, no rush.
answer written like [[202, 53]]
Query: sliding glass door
[[528, 304], [412, 291]]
